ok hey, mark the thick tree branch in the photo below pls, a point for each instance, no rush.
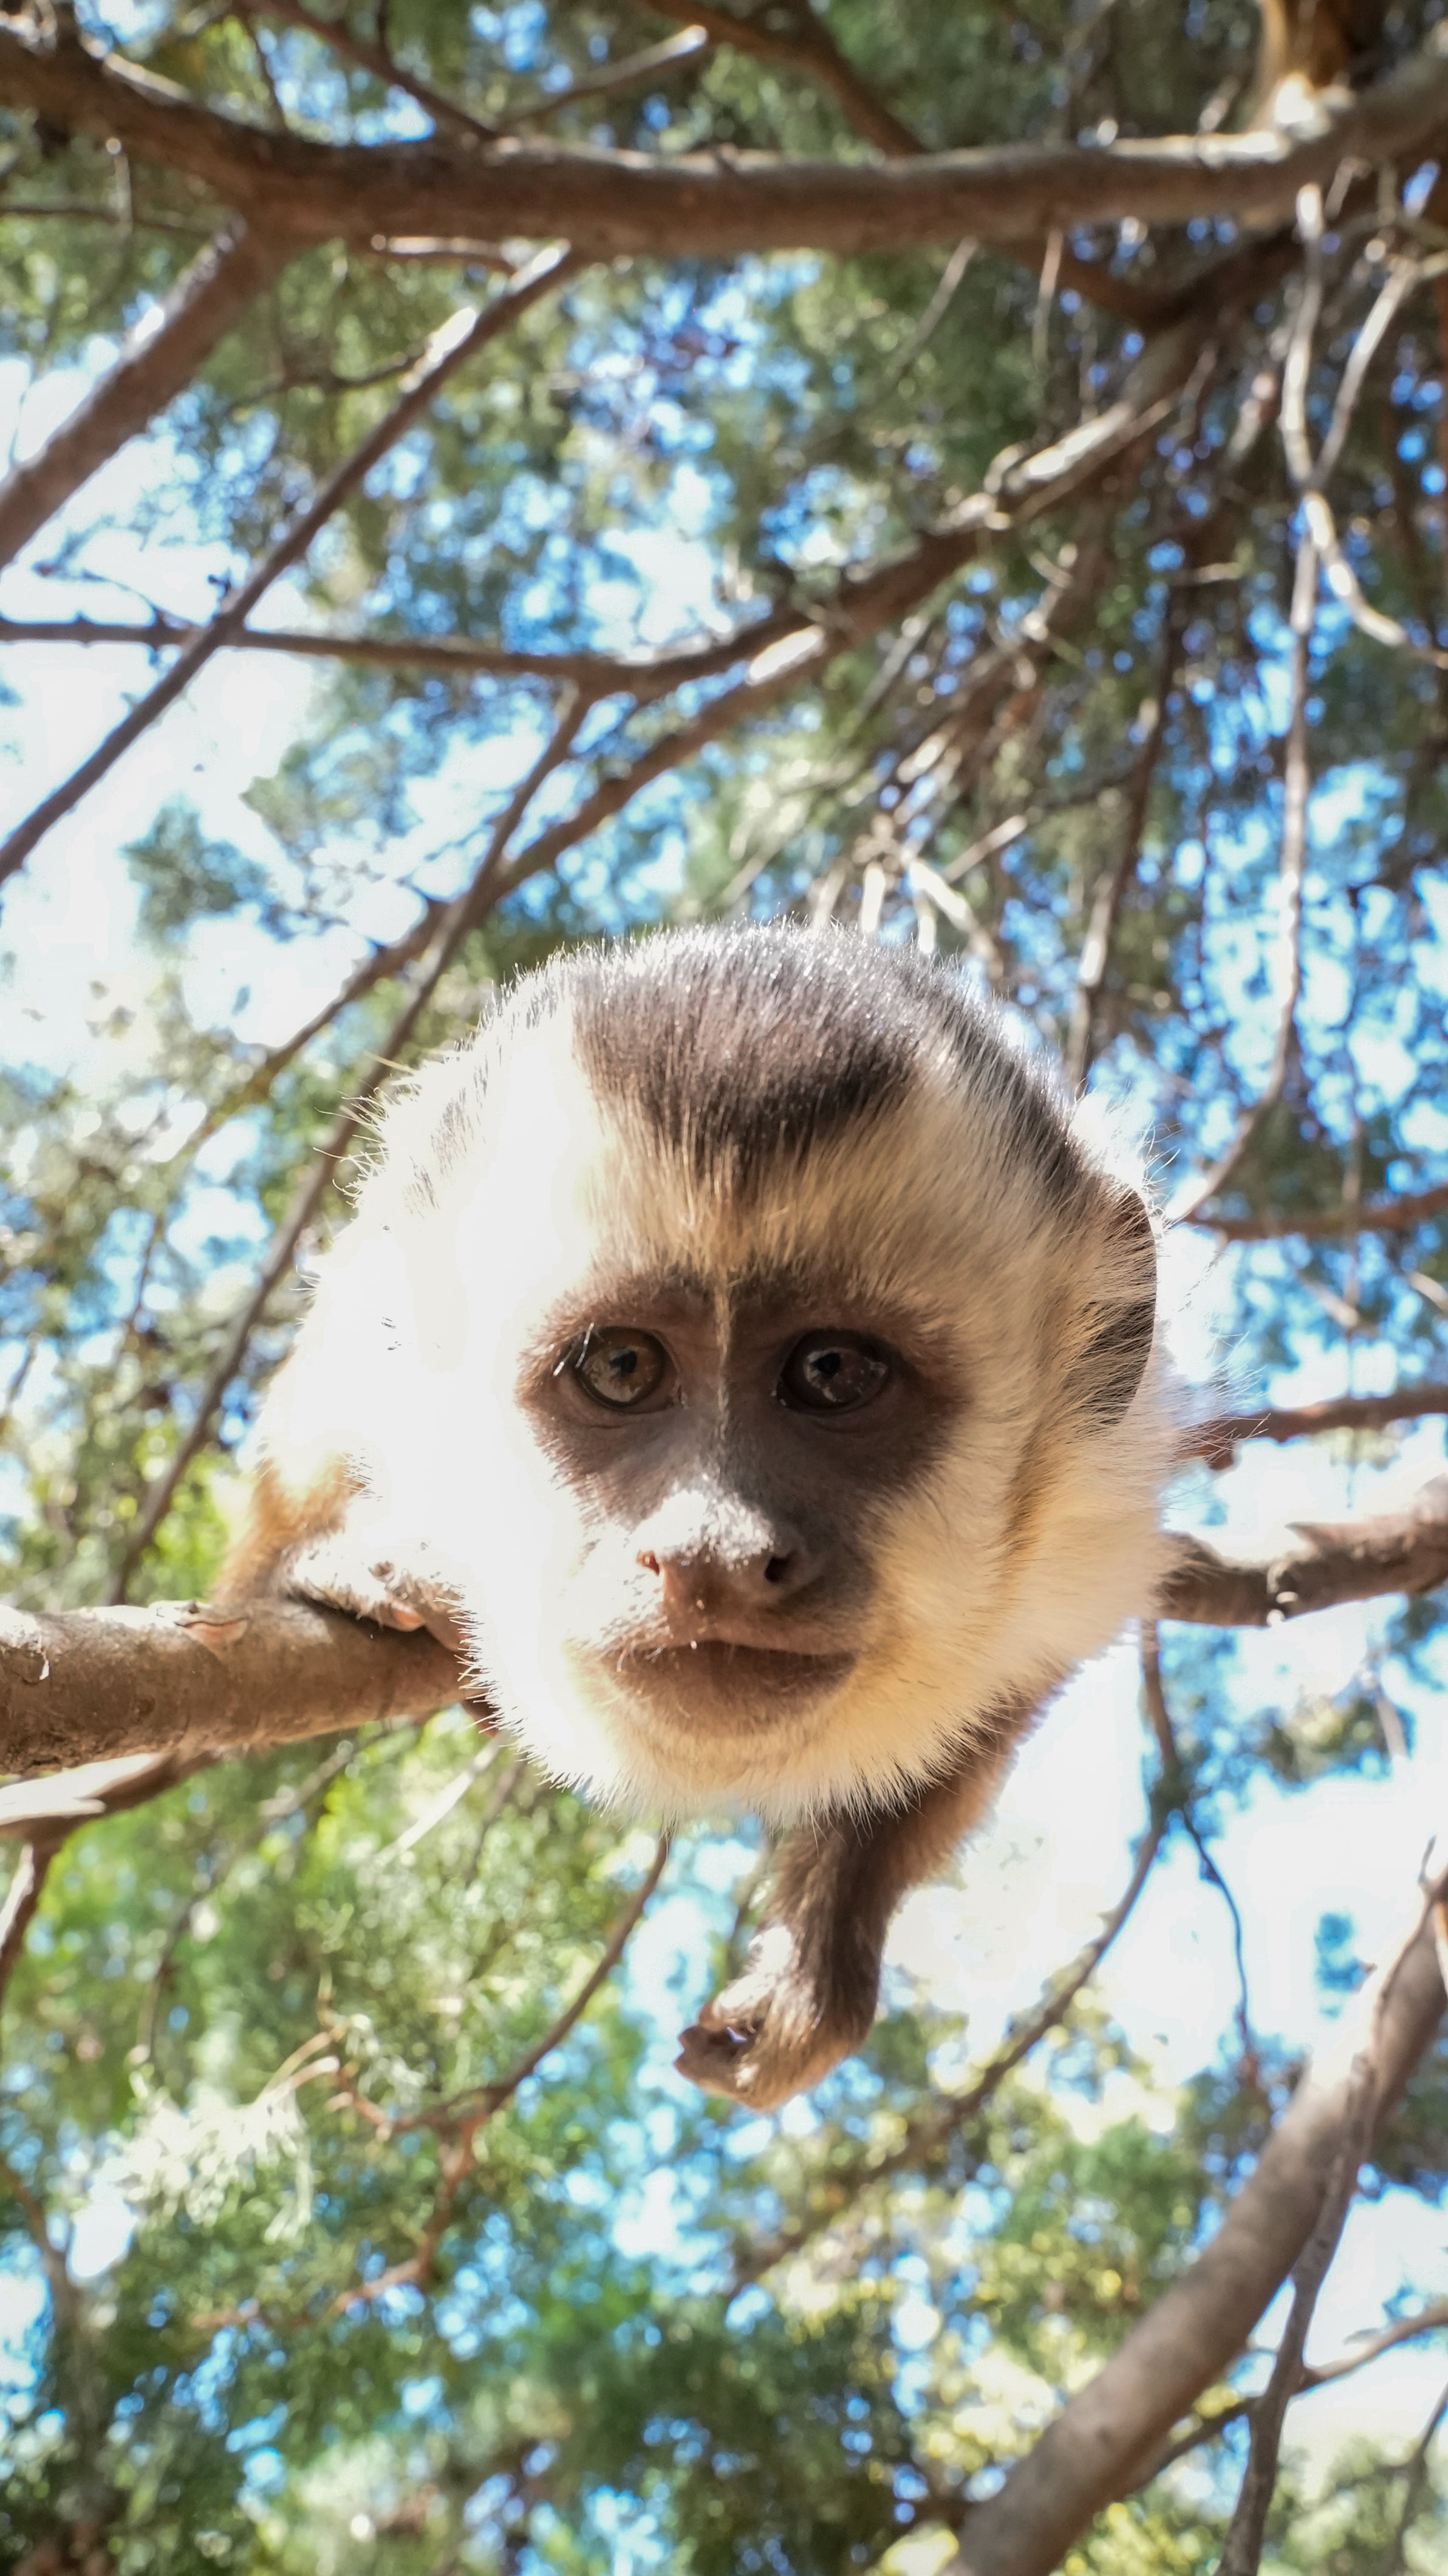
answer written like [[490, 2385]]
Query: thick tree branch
[[1119, 2422], [1337, 1561], [715, 204], [87, 1684], [180, 1678], [157, 362]]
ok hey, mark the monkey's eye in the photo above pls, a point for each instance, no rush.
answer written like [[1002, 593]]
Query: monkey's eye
[[618, 1367], [832, 1373]]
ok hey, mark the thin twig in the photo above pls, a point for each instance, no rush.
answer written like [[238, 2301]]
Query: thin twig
[[441, 1806], [1082, 1034], [22, 1902], [670, 55], [1416, 2469], [375, 58], [1388, 1216], [1242, 2552], [468, 2114], [790, 34], [450, 348], [1291, 880], [461, 917], [638, 675], [1250, 2055], [928, 2134], [1217, 1440], [1208, 2428]]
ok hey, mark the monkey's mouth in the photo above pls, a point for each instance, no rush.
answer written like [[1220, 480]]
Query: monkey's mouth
[[716, 1677]]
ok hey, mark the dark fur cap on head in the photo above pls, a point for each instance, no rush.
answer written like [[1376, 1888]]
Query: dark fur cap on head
[[738, 1047]]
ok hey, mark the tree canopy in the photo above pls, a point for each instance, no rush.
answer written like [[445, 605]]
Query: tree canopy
[[486, 478]]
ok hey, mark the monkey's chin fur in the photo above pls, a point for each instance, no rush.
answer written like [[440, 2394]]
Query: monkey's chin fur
[[678, 1731], [711, 1680]]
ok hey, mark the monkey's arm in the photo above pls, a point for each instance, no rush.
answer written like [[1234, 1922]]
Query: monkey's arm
[[313, 1525], [810, 1985]]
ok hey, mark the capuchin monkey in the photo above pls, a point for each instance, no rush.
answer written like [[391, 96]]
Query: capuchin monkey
[[743, 1353], [1311, 54]]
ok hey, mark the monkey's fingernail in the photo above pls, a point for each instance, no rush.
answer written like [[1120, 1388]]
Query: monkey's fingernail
[[213, 1633]]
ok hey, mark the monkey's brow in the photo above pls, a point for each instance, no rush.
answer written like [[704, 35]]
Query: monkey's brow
[[681, 1293]]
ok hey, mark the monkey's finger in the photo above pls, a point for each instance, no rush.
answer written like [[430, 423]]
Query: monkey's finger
[[711, 2058]]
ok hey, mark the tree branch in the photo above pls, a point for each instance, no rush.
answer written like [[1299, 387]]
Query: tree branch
[[156, 363], [461, 2119], [1340, 1561], [1390, 1216], [371, 57], [1079, 1053], [22, 1901], [1291, 881], [450, 348], [460, 917], [604, 675], [629, 72], [1017, 492], [182, 1679], [1207, 2428], [927, 2134], [82, 1685], [793, 36], [1104, 2435], [709, 204], [1217, 1441]]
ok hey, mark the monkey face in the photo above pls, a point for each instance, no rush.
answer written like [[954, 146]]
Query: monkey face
[[770, 1371], [728, 1454]]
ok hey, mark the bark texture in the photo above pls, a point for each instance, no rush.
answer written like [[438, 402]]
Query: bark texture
[[619, 204], [1097, 2446], [180, 1677]]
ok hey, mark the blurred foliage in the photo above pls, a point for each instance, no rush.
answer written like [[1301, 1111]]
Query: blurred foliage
[[253, 2017]]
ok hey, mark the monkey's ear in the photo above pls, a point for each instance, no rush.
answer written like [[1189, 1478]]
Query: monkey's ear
[[1120, 1318]]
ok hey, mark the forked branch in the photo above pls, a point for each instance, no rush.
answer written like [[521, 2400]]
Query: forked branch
[[1119, 2423]]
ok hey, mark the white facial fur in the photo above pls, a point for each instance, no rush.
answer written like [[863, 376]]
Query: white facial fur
[[1023, 1546]]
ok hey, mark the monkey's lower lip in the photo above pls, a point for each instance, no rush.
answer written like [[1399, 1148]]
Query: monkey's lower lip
[[717, 1672]]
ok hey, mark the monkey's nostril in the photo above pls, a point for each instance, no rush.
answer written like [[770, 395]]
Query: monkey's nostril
[[776, 1570]]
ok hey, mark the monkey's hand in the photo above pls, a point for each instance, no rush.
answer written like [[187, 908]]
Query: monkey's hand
[[364, 1568], [811, 1981], [796, 2010]]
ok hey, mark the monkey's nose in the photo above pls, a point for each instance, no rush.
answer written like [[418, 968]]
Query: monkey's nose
[[697, 1582]]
